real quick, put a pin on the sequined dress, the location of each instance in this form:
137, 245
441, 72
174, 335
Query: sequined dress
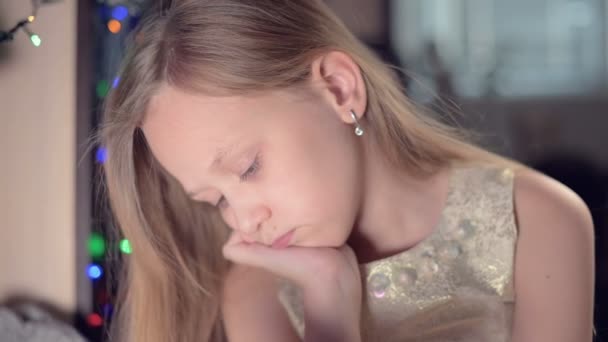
456, 284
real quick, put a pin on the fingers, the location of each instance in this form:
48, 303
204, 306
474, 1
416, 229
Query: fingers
287, 262
348, 252
298, 264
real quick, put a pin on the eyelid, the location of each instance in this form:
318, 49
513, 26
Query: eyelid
252, 169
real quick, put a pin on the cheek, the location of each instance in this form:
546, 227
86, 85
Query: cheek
311, 175
229, 218
319, 193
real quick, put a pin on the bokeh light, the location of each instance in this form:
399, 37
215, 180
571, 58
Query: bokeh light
94, 320
94, 271
116, 82
102, 88
114, 26
102, 155
36, 40
125, 246
120, 13
97, 245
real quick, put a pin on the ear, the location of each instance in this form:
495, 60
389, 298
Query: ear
338, 77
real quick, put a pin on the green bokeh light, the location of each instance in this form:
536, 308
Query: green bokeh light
102, 89
125, 246
36, 40
97, 245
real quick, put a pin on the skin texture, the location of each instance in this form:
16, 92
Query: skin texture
315, 176
554, 262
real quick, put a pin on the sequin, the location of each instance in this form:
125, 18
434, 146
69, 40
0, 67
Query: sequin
378, 284
405, 277
428, 251
461, 273
506, 176
465, 230
450, 251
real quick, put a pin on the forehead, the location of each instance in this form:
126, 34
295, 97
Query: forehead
185, 130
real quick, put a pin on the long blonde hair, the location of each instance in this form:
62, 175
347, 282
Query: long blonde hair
171, 284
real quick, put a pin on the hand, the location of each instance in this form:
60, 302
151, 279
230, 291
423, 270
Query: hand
328, 277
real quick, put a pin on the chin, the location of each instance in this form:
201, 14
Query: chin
322, 242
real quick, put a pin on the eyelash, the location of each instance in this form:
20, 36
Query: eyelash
253, 168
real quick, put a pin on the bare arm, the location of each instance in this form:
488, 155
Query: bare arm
251, 309
554, 263
328, 277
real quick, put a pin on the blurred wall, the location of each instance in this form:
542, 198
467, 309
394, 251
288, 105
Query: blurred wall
37, 146
366, 19
534, 129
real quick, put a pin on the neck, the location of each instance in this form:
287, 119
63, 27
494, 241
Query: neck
398, 209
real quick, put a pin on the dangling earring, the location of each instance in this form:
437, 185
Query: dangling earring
358, 128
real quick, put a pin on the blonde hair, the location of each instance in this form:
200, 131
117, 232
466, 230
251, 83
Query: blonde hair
172, 282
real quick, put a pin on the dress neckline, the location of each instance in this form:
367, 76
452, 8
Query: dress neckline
436, 230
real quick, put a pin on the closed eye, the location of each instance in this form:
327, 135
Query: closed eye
252, 170
255, 166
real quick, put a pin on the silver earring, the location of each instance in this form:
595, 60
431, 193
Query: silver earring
358, 128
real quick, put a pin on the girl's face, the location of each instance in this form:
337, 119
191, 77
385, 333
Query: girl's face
271, 163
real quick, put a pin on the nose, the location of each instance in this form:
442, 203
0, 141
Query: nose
251, 219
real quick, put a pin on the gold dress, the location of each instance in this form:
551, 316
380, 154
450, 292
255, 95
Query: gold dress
456, 284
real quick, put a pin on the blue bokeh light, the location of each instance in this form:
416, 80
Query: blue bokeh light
120, 13
94, 271
116, 82
101, 155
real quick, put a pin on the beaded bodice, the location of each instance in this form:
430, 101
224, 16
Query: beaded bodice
456, 284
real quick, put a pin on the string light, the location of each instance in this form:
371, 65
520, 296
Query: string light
125, 246
102, 88
116, 19
6, 36
94, 271
120, 13
102, 155
97, 245
116, 82
114, 26
94, 320
34, 38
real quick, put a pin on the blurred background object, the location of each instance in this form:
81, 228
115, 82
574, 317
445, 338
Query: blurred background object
31, 322
37, 144
529, 76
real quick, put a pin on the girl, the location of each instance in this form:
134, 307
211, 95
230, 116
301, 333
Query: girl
276, 184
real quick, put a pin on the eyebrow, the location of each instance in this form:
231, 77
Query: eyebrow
220, 153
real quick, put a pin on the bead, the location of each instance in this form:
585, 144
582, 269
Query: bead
378, 285
450, 251
465, 229
359, 131
405, 276
428, 251
505, 176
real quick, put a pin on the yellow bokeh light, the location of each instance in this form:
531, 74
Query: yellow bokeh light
31, 18
114, 26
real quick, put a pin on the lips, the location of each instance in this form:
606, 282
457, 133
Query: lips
283, 240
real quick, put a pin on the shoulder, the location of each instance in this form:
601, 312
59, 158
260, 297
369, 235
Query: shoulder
544, 205
251, 309
554, 261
